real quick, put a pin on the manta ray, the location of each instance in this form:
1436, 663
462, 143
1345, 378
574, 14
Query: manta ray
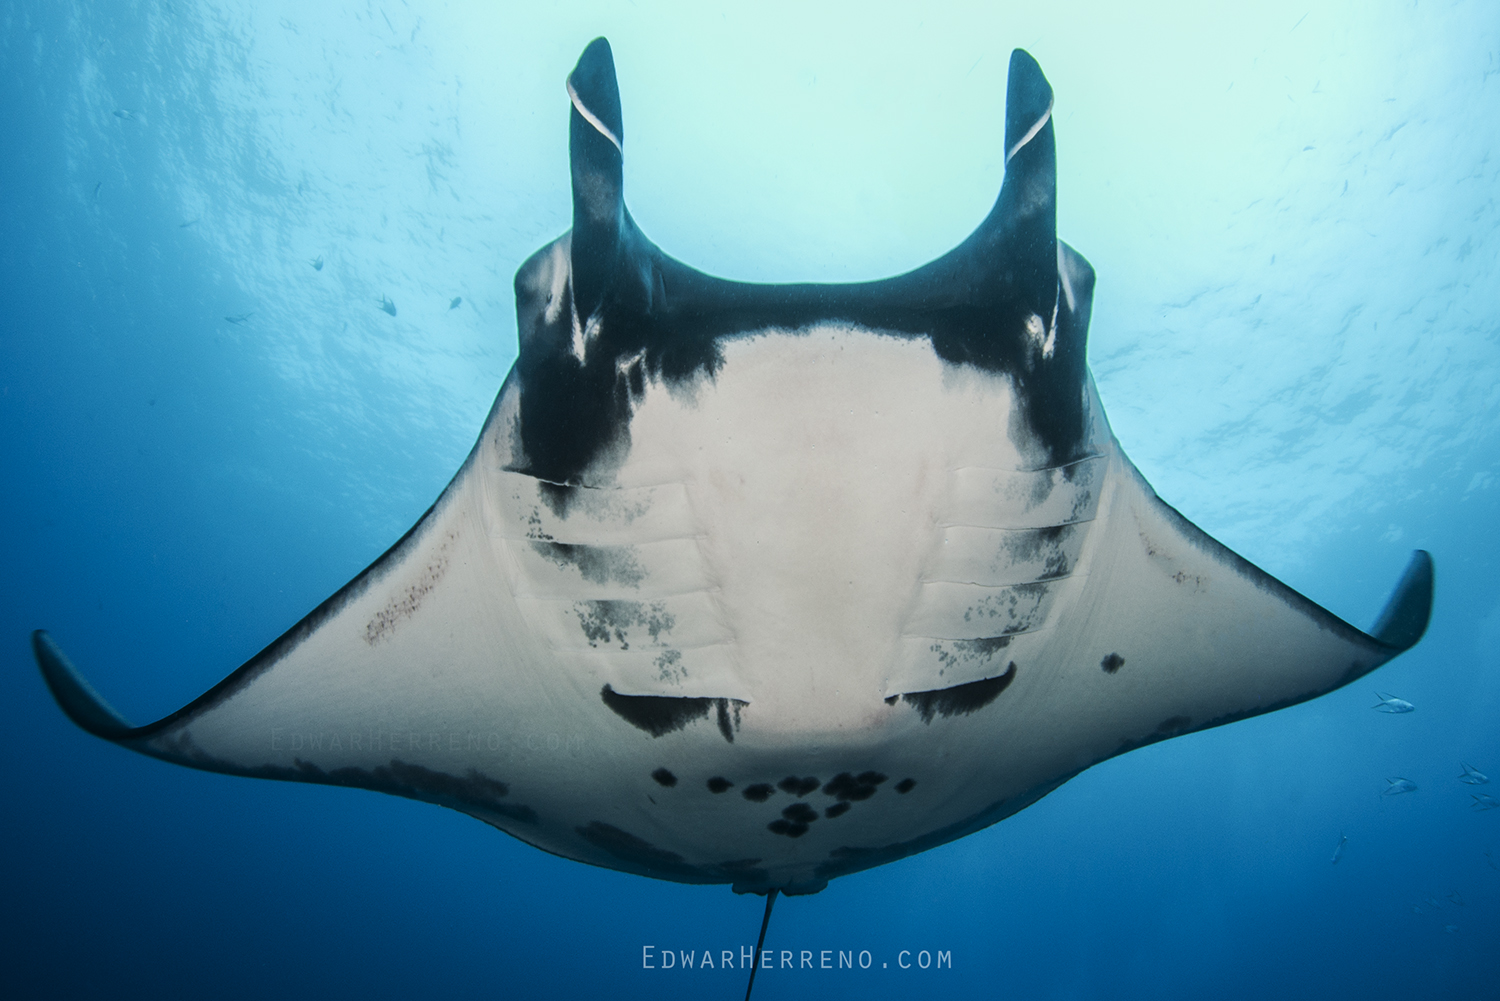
765, 584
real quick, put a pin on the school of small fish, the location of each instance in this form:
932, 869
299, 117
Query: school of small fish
1398, 785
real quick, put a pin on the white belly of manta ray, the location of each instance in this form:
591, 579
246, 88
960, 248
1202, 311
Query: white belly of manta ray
764, 585
807, 581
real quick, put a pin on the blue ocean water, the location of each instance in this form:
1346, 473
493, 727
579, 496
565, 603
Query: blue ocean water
1296, 334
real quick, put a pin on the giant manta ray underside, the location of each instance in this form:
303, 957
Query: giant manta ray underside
766, 584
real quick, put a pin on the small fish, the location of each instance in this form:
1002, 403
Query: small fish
96, 190
190, 222
1472, 776
1338, 849
1457, 899
1416, 909
1434, 902
126, 115
387, 305
458, 301
238, 319
1450, 928
1398, 786
317, 263
1484, 801
1391, 704
1491, 860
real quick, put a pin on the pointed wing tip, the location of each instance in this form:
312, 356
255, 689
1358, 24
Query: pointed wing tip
74, 695
595, 88
1405, 616
1023, 61
596, 50
1028, 96
595, 67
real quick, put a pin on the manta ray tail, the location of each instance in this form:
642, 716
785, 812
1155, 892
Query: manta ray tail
760, 942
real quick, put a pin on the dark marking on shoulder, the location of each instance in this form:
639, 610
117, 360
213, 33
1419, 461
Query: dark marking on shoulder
664, 777
656, 714
1112, 663
557, 496
905, 786
597, 564
719, 784
637, 380
798, 787
758, 793
960, 700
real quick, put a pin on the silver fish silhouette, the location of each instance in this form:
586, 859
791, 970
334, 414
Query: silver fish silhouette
1398, 786
1391, 704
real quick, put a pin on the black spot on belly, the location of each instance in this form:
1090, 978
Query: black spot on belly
786, 827
960, 700
800, 813
1112, 663
758, 793
847, 788
836, 810
798, 787
905, 786
655, 714
664, 777
718, 784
